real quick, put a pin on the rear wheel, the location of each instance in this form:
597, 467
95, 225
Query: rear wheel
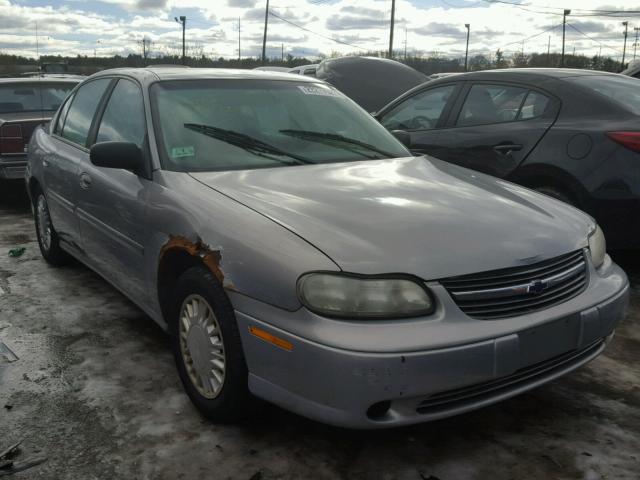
48, 240
206, 346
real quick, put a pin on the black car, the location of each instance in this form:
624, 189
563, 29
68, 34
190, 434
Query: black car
572, 134
26, 103
633, 70
371, 82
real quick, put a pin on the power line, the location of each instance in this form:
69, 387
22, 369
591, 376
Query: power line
516, 4
593, 39
533, 36
271, 12
529, 7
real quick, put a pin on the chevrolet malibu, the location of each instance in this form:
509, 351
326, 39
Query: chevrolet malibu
296, 252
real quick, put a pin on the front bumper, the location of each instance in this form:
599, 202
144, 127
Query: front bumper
364, 388
12, 168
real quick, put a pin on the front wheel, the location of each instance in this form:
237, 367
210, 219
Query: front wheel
206, 346
48, 240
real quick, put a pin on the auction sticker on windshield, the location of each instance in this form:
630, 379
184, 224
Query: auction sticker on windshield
318, 90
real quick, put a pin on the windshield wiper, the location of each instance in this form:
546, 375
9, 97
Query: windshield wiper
244, 141
335, 137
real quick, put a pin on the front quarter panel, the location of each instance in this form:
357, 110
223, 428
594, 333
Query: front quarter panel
250, 254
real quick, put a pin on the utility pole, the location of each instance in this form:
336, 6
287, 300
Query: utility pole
264, 39
146, 46
405, 42
282, 54
466, 52
239, 51
624, 49
393, 19
183, 21
549, 52
564, 26
599, 56
635, 44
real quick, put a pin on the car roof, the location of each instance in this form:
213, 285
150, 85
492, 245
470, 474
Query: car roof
43, 78
149, 74
523, 74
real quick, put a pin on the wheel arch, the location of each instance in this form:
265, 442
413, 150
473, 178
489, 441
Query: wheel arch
178, 255
33, 187
537, 175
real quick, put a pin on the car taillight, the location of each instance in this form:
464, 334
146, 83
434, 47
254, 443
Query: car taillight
631, 140
11, 139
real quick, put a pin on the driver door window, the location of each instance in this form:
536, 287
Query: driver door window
420, 112
123, 119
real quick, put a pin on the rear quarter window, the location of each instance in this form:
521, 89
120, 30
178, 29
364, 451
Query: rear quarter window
624, 92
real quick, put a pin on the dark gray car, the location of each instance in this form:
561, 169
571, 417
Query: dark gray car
296, 252
571, 134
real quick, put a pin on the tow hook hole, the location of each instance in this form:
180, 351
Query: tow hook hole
378, 410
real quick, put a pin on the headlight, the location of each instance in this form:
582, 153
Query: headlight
597, 246
350, 296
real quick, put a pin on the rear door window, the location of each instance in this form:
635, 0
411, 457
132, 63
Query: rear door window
62, 115
534, 106
486, 104
123, 119
82, 110
422, 111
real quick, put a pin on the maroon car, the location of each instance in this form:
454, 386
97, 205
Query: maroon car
24, 104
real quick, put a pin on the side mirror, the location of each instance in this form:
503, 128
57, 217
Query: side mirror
124, 155
403, 136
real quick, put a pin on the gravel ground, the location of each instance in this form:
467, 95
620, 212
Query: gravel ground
95, 391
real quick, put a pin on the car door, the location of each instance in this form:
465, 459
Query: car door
61, 162
111, 202
494, 126
422, 115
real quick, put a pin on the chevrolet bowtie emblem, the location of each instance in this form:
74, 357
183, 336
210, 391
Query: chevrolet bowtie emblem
537, 286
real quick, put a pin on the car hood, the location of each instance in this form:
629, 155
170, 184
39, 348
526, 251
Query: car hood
414, 215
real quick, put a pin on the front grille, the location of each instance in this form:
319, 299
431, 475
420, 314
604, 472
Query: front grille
525, 376
516, 291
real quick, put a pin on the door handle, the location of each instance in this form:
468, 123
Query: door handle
507, 148
85, 181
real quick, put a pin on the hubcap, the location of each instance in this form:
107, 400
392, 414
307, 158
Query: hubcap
44, 222
201, 346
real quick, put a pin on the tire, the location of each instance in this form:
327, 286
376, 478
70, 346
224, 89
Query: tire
557, 194
209, 336
48, 240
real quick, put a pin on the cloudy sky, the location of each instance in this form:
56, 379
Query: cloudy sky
313, 27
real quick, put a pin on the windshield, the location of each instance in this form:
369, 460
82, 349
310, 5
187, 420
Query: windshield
211, 125
32, 97
624, 91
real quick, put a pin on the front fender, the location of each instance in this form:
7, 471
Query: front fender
249, 253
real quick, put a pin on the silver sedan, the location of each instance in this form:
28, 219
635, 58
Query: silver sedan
296, 252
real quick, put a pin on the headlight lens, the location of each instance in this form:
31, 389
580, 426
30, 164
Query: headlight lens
349, 296
597, 246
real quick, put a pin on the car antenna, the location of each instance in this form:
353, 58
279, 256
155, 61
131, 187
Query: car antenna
39, 63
